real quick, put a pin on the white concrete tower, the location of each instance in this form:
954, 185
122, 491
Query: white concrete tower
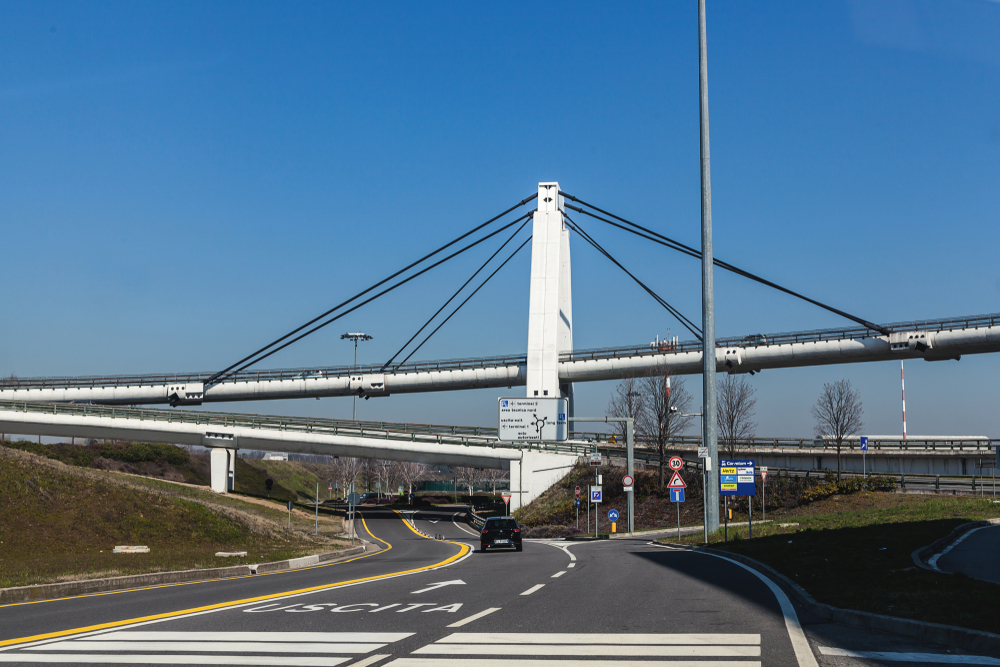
550, 302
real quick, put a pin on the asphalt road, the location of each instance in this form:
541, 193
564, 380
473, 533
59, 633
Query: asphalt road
976, 555
426, 602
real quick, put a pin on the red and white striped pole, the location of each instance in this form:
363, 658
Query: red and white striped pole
902, 384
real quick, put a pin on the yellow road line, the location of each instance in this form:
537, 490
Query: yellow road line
221, 605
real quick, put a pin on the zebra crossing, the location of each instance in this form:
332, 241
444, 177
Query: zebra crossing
137, 647
495, 649
361, 649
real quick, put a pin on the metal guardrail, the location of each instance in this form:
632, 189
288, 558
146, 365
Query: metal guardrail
756, 340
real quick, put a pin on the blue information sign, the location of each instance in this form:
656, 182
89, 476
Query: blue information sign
613, 515
676, 495
737, 477
864, 443
577, 502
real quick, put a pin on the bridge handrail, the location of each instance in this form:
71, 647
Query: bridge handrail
756, 340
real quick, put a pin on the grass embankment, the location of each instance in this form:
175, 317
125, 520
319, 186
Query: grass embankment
854, 551
59, 522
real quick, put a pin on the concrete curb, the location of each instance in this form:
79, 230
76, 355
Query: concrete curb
41, 592
922, 555
948, 635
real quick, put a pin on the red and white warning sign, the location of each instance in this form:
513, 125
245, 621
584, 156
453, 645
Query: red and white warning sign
676, 482
763, 475
506, 498
578, 492
675, 463
627, 480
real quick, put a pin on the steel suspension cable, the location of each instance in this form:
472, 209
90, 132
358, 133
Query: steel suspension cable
688, 250
385, 291
459, 307
688, 324
452, 297
225, 371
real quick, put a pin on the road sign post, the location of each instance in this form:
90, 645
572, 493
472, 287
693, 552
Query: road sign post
629, 457
677, 486
737, 478
864, 451
763, 492
506, 499
596, 494
290, 506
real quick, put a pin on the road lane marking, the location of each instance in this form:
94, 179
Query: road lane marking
611, 639
486, 662
943, 658
440, 584
209, 647
800, 645
571, 565
593, 650
460, 526
97, 658
558, 574
172, 635
474, 617
934, 559
533, 589
464, 551
564, 548
370, 660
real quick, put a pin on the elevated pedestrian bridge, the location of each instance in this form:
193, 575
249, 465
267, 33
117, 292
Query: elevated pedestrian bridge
931, 340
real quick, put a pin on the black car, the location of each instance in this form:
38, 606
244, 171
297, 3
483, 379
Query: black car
500, 532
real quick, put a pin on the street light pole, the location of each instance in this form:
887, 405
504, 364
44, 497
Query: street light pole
355, 337
709, 407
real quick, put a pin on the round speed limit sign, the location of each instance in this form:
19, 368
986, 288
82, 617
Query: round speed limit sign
676, 463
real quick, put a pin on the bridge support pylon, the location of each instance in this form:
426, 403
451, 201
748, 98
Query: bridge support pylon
550, 301
223, 462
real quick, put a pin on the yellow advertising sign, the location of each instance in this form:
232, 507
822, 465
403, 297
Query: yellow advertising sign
727, 471
728, 487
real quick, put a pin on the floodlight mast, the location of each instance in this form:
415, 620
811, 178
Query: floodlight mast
355, 337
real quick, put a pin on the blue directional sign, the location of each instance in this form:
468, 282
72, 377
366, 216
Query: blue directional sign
864, 443
577, 502
737, 477
613, 515
676, 495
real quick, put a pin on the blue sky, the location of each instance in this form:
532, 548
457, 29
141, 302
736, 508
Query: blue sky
183, 182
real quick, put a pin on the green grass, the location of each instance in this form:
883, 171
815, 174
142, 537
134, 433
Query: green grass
60, 523
855, 552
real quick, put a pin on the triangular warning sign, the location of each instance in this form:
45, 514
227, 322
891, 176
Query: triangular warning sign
676, 482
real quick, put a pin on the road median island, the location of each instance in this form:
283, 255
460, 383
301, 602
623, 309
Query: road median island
851, 560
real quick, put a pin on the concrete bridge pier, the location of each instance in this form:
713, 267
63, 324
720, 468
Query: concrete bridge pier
535, 473
223, 469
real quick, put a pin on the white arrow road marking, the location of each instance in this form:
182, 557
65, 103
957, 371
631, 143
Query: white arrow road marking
440, 584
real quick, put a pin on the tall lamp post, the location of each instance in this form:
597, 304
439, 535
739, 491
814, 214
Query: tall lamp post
355, 337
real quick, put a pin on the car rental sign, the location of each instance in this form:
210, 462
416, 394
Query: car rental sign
737, 477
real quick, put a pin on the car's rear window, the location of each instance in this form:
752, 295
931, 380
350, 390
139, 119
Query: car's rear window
501, 523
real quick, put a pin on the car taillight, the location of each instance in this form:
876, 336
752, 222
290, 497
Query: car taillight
517, 530
485, 531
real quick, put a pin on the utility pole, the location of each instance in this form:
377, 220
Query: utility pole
355, 337
709, 405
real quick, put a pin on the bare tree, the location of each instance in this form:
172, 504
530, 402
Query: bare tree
838, 413
494, 476
736, 405
468, 477
656, 423
626, 401
411, 473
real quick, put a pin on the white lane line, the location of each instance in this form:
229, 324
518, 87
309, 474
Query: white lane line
571, 565
943, 658
558, 574
590, 650
803, 652
474, 617
370, 660
464, 662
213, 647
934, 559
133, 659
460, 526
168, 635
533, 589
612, 639
564, 548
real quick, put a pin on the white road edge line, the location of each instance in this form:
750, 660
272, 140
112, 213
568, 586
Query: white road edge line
803, 653
911, 657
533, 589
460, 526
474, 617
934, 559
370, 660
